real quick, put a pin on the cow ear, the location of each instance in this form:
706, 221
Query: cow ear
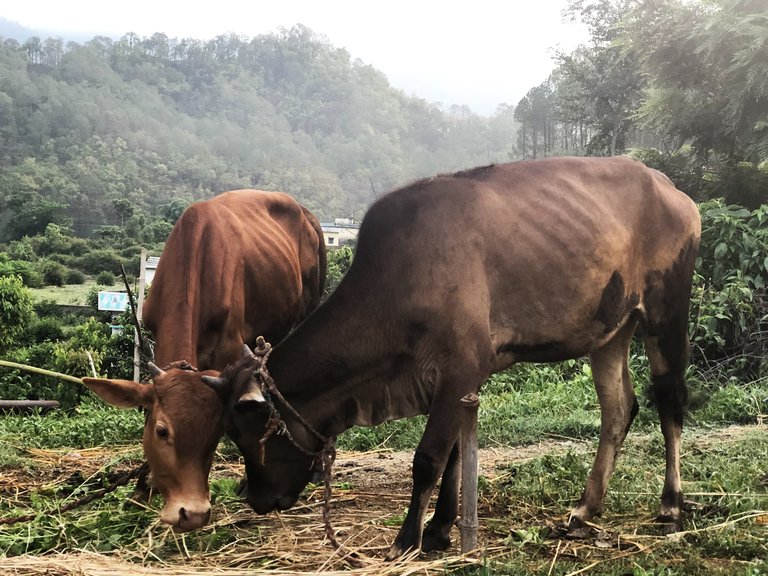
121, 393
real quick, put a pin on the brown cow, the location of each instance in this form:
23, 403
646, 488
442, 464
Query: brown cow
243, 264
460, 276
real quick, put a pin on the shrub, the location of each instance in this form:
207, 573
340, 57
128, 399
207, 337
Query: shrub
44, 329
47, 308
97, 261
53, 272
733, 240
75, 277
339, 262
105, 278
15, 309
25, 270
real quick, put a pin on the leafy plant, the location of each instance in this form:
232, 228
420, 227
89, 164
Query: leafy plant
15, 309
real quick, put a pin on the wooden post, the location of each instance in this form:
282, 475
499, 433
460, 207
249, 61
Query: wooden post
139, 303
468, 521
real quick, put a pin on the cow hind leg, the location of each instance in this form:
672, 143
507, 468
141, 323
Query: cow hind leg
437, 533
618, 407
665, 333
668, 357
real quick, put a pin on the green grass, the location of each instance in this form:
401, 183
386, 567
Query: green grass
71, 294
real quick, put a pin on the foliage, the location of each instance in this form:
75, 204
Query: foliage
53, 273
23, 269
730, 305
15, 309
339, 261
47, 329
75, 277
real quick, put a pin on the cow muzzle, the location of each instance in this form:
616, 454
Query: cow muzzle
185, 518
262, 504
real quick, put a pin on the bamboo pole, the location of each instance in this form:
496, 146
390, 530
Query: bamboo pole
468, 522
139, 305
19, 406
42, 371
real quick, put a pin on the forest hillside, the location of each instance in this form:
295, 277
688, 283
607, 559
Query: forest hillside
92, 134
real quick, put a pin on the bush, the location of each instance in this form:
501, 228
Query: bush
44, 329
339, 261
733, 240
15, 309
25, 270
97, 261
53, 272
75, 277
47, 308
105, 278
729, 308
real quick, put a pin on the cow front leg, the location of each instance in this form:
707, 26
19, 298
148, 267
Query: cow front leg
429, 462
425, 473
437, 533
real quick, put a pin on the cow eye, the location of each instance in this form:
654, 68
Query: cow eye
162, 432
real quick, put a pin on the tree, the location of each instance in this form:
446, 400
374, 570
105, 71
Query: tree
708, 71
605, 77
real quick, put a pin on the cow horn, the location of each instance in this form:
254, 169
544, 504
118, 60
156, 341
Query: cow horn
154, 370
247, 351
215, 382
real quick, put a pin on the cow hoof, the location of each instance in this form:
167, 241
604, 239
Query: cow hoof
578, 529
396, 551
242, 488
669, 524
433, 541
575, 523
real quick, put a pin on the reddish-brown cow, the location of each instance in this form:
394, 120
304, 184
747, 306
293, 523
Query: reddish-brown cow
244, 264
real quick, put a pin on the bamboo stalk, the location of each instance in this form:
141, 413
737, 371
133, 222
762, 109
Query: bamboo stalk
42, 371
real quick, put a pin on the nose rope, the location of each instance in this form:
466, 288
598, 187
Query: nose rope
326, 456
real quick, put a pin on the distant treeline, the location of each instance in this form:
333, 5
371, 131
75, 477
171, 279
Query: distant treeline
93, 134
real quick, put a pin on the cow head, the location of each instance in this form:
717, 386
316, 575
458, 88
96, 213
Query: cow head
182, 429
276, 470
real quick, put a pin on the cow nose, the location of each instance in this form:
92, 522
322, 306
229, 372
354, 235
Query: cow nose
190, 520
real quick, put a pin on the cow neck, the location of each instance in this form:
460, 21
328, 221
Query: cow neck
340, 368
178, 332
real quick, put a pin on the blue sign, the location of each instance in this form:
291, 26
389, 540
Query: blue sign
113, 301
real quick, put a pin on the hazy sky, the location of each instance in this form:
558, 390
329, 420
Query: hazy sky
477, 52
